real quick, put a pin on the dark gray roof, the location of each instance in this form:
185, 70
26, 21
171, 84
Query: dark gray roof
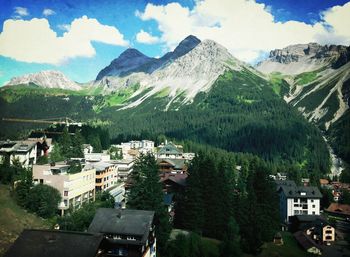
300, 192
54, 243
280, 183
307, 218
305, 241
122, 222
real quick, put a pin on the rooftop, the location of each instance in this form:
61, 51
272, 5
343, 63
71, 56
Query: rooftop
169, 148
54, 243
176, 163
300, 192
339, 208
305, 241
123, 222
101, 166
16, 146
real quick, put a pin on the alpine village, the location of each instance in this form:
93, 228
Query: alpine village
193, 153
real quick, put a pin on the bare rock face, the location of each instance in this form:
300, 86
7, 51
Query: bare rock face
46, 79
300, 58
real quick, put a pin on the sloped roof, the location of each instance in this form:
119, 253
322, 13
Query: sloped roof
122, 222
179, 179
300, 192
54, 243
169, 148
304, 240
176, 163
339, 208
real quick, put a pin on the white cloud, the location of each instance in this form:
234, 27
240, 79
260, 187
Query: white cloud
245, 27
48, 12
21, 11
146, 38
35, 41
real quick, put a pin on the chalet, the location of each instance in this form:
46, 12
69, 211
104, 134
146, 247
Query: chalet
298, 200
169, 151
55, 243
173, 183
75, 187
172, 165
126, 232
307, 243
24, 151
321, 232
118, 193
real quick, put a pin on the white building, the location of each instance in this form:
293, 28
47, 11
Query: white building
97, 157
169, 151
24, 151
298, 200
75, 188
124, 168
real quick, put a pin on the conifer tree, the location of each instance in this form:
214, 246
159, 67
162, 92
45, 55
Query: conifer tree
146, 194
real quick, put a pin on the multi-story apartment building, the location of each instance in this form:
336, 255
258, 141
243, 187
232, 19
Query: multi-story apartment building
24, 151
75, 188
106, 175
298, 200
125, 167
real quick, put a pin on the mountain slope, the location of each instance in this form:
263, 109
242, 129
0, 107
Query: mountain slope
46, 79
317, 77
205, 95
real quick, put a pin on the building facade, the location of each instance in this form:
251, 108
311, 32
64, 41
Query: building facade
23, 151
75, 188
296, 200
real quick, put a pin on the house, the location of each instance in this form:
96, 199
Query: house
172, 165
302, 222
169, 151
307, 243
124, 168
55, 243
340, 210
24, 151
298, 200
75, 187
173, 183
126, 232
321, 231
106, 175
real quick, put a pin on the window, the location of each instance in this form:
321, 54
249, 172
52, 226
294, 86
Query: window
295, 200
312, 200
313, 213
41, 181
313, 206
65, 193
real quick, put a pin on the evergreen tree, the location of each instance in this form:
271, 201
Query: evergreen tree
65, 143
77, 145
146, 194
230, 246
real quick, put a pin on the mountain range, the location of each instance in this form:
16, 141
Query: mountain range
311, 78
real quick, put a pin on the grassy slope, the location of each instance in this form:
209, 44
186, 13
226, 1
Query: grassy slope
290, 248
14, 219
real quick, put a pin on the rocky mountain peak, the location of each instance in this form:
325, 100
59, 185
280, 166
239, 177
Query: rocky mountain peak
47, 79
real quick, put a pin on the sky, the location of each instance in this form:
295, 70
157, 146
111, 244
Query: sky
81, 37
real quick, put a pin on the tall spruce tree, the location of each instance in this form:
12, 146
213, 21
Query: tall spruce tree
146, 194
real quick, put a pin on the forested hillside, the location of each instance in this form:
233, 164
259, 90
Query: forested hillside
241, 113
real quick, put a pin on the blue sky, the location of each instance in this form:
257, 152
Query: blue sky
79, 38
